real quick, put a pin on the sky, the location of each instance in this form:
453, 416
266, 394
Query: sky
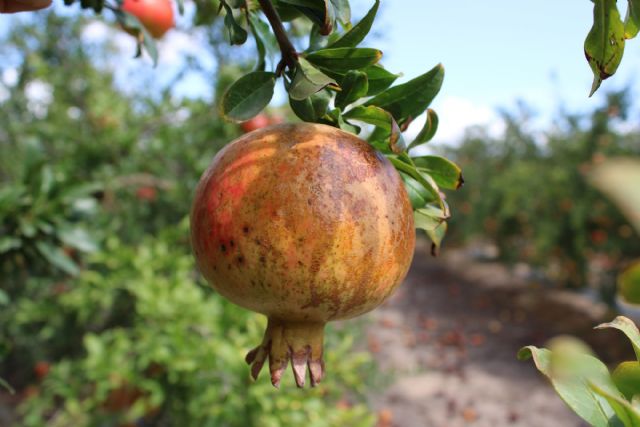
495, 52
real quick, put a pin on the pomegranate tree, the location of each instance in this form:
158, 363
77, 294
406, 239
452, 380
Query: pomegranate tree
305, 224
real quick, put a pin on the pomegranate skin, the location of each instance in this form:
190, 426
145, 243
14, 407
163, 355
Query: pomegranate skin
305, 224
156, 15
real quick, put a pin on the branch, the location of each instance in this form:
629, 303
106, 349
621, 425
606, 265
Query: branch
289, 54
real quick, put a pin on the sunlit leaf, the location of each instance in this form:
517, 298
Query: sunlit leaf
604, 44
626, 377
632, 20
626, 413
628, 328
436, 236
248, 96
572, 387
237, 34
446, 173
344, 59
389, 130
428, 130
355, 35
629, 284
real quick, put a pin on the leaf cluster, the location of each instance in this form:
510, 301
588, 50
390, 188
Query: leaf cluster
605, 42
601, 398
336, 82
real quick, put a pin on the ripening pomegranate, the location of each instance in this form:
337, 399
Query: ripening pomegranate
258, 122
305, 224
155, 15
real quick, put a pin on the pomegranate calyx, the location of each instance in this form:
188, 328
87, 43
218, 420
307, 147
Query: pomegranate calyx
284, 341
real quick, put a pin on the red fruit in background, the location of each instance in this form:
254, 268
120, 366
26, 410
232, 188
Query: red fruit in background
41, 369
146, 193
155, 15
598, 236
255, 123
306, 224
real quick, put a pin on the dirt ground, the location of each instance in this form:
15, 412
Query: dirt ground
449, 339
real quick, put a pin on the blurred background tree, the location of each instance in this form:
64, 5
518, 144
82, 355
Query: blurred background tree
530, 194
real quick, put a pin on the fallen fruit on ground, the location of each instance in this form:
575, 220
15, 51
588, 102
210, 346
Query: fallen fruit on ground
155, 15
305, 224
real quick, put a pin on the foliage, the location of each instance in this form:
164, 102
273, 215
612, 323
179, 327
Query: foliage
135, 336
604, 45
534, 199
584, 383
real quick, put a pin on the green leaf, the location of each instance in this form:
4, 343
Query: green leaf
307, 81
237, 34
354, 86
77, 238
320, 12
572, 387
8, 243
425, 220
628, 328
626, 413
355, 35
341, 11
57, 257
344, 59
312, 108
615, 178
629, 284
248, 95
428, 130
132, 23
445, 173
390, 131
260, 47
436, 236
336, 119
627, 379
379, 79
632, 20
418, 195
408, 100
4, 298
424, 179
604, 44
6, 385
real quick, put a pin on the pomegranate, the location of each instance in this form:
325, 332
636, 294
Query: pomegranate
155, 15
305, 224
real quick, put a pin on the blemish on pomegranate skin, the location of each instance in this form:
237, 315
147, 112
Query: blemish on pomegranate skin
240, 259
245, 229
232, 243
223, 248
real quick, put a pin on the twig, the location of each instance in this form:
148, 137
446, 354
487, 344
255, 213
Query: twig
289, 54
